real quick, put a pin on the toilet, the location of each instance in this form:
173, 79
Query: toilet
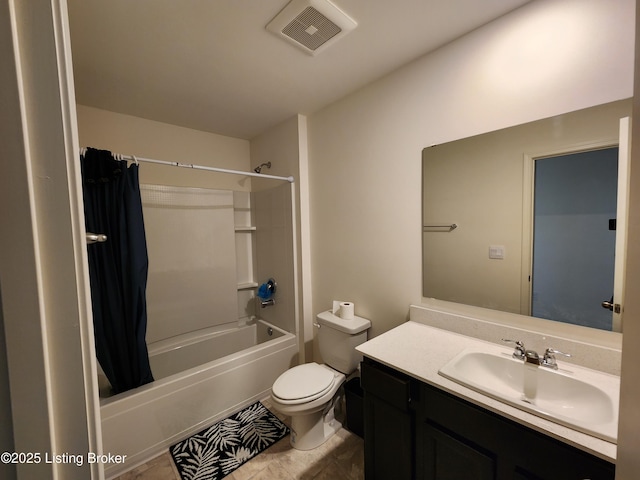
307, 392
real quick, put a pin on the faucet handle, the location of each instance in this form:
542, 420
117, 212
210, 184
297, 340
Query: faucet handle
549, 359
519, 351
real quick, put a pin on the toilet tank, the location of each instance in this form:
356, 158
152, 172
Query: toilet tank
338, 339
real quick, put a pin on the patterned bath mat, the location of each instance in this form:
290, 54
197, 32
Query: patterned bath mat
218, 450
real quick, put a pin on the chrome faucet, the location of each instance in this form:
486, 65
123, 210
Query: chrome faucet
531, 356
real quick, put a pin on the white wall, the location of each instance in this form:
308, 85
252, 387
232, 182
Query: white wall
546, 58
130, 135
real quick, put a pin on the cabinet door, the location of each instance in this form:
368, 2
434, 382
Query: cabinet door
441, 456
543, 458
519, 453
388, 441
388, 424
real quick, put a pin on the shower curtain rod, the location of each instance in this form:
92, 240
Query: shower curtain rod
135, 159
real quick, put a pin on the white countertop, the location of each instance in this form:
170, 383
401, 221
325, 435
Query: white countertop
420, 351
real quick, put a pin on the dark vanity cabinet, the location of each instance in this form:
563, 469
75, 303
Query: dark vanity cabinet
416, 431
389, 422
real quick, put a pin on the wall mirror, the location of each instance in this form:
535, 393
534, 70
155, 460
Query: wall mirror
530, 219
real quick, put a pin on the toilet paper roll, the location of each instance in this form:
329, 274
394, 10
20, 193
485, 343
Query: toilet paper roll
344, 310
347, 310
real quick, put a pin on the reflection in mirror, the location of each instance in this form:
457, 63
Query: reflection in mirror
525, 219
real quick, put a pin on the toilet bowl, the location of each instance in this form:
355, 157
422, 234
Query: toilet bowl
309, 392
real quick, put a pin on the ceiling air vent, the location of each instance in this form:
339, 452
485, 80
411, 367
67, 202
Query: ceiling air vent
311, 25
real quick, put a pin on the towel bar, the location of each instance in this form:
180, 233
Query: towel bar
451, 227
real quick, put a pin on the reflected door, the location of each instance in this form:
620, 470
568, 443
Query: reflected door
574, 238
622, 208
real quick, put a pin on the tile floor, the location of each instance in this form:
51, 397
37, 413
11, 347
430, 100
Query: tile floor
340, 458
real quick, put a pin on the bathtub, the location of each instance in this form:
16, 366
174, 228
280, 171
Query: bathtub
194, 387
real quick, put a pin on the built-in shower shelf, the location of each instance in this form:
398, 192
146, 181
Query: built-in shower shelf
245, 229
247, 285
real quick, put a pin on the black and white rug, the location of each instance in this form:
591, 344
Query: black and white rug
218, 450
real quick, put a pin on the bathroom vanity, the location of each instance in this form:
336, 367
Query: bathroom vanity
422, 425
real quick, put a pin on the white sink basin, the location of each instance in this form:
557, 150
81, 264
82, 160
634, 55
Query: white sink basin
580, 398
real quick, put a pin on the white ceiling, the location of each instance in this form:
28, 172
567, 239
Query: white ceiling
211, 65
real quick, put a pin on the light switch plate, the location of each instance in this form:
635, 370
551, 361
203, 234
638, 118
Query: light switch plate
496, 252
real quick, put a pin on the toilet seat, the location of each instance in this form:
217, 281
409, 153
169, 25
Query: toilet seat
303, 383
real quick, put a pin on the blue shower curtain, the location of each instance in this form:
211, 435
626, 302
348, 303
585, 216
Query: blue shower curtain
117, 268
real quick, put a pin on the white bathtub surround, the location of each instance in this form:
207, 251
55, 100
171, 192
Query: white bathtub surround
208, 251
142, 422
192, 261
275, 253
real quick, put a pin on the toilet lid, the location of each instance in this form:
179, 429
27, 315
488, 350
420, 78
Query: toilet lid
305, 383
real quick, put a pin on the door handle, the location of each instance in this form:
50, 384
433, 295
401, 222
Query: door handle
609, 305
